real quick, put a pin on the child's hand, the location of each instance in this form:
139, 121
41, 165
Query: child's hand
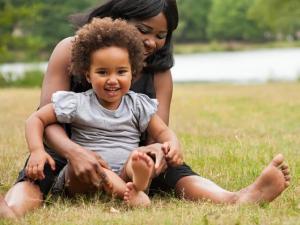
173, 153
35, 165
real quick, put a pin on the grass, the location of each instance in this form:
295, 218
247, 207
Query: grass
228, 134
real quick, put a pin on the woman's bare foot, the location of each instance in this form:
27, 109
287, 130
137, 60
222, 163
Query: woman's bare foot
274, 179
5, 211
142, 168
135, 198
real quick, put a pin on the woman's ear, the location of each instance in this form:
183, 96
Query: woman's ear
87, 77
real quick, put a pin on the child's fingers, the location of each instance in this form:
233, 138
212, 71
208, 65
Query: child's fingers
28, 171
35, 172
171, 154
40, 174
166, 147
51, 162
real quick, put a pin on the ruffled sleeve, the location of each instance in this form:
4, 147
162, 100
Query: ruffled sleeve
146, 108
65, 105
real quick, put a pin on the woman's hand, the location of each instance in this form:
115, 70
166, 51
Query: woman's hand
173, 153
36, 162
155, 151
88, 166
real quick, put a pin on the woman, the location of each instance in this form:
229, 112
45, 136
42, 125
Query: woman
156, 20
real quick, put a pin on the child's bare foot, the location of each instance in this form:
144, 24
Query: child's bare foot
274, 179
142, 168
135, 198
5, 211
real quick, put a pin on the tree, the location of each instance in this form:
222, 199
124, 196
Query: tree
228, 21
281, 16
29, 29
193, 20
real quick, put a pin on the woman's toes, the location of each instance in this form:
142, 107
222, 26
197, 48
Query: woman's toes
286, 184
287, 177
278, 160
284, 166
286, 172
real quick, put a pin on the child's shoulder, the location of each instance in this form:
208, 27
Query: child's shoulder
137, 96
138, 99
72, 95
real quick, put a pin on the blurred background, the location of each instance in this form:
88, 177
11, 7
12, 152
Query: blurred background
216, 41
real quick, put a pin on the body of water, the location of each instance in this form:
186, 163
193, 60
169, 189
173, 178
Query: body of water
237, 67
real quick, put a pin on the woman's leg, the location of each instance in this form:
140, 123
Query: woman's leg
273, 180
22, 197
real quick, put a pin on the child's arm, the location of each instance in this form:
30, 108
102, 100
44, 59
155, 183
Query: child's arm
162, 134
34, 131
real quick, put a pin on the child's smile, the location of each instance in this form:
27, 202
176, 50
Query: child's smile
110, 75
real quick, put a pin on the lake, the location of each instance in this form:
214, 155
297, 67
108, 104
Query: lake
237, 67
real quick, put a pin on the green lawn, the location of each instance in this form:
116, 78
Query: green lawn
228, 134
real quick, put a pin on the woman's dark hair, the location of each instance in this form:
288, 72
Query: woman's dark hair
139, 10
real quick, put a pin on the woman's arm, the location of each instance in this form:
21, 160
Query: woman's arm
57, 76
163, 86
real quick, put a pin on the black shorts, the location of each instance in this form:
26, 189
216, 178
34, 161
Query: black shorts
166, 182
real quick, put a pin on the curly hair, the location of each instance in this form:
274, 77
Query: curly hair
102, 33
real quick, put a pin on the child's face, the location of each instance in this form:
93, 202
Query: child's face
110, 75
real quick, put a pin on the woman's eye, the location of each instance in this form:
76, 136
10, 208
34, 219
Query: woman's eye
161, 36
142, 30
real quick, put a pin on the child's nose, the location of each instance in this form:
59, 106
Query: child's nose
112, 79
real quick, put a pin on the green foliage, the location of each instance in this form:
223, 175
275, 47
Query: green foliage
29, 29
228, 21
193, 20
281, 16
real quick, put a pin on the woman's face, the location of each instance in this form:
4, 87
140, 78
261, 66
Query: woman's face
154, 32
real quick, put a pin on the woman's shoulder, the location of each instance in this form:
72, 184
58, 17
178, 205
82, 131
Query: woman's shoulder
66, 42
62, 53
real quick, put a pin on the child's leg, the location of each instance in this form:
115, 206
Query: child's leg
140, 169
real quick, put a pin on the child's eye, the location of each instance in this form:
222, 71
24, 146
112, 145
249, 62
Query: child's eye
102, 72
122, 72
